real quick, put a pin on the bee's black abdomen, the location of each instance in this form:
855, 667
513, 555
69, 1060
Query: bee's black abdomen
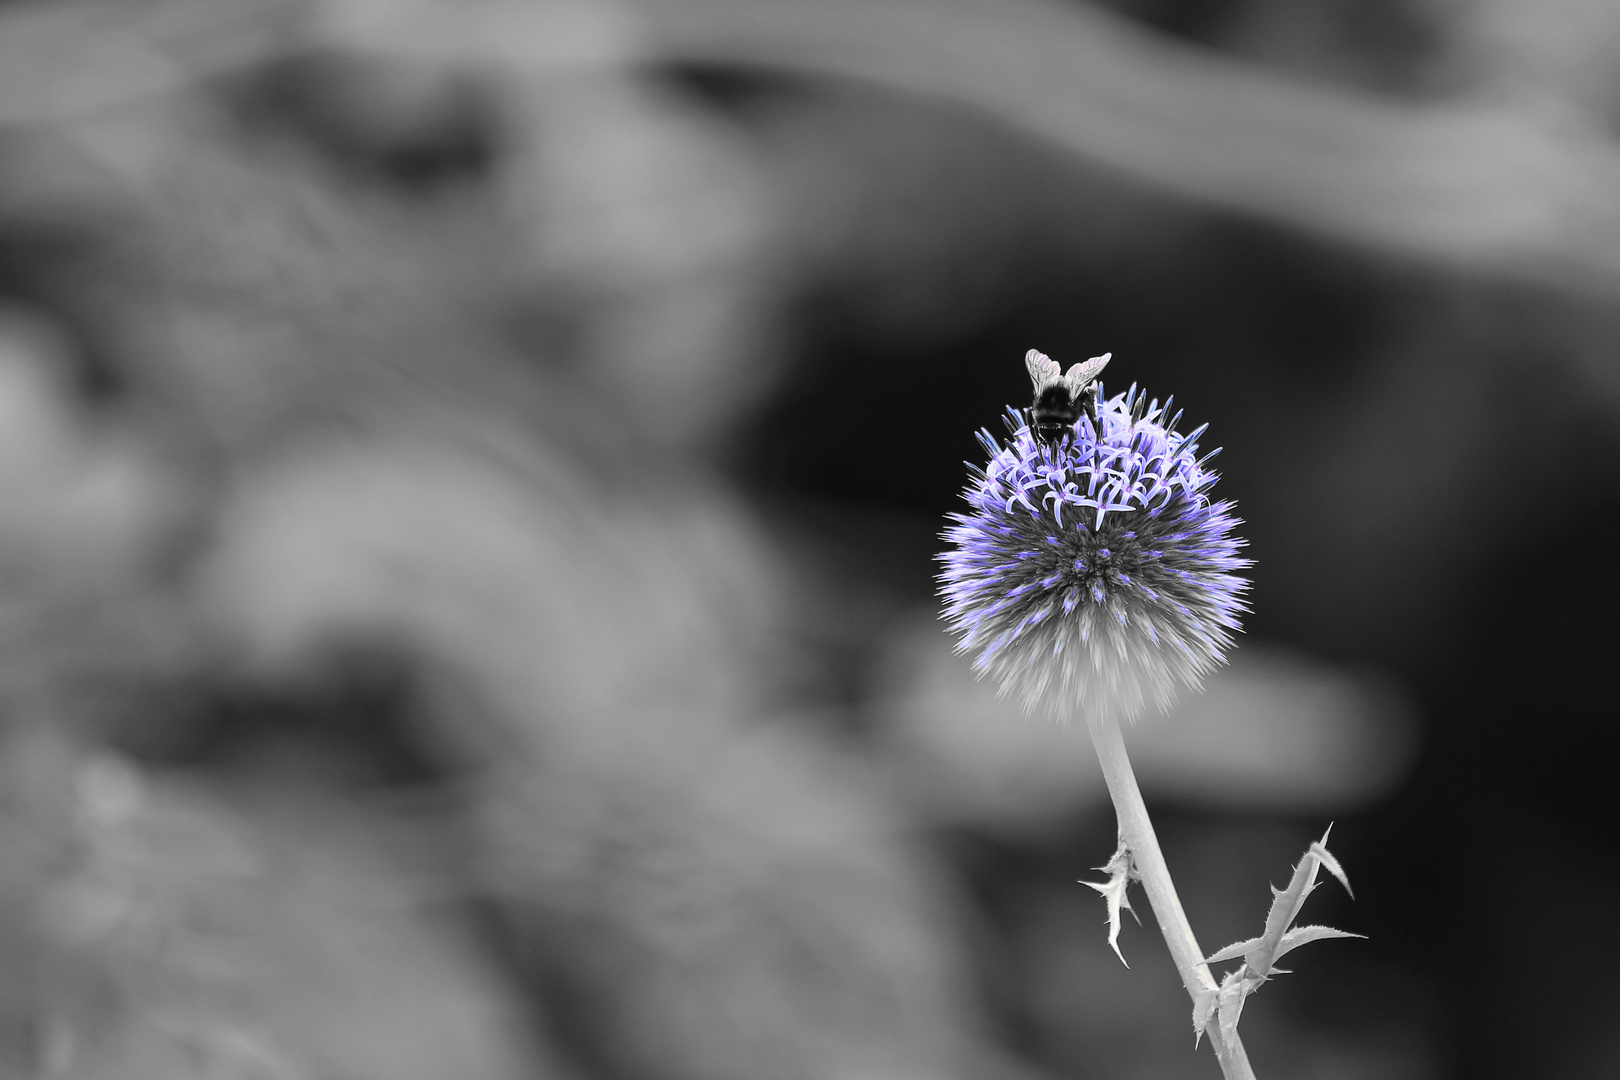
1055, 401
1053, 414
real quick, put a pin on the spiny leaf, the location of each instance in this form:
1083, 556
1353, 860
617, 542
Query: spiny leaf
1330, 863
1233, 993
1203, 1008
1304, 935
1232, 952
1120, 871
1260, 954
1286, 903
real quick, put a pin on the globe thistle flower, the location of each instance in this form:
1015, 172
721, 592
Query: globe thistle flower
1093, 573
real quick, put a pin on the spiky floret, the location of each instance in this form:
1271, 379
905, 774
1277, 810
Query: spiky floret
1097, 575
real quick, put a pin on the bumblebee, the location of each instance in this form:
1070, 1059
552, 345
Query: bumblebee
1061, 396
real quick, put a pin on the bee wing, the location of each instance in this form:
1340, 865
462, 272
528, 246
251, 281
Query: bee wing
1042, 368
1081, 375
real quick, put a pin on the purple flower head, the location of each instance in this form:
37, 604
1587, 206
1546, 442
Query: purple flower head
1095, 575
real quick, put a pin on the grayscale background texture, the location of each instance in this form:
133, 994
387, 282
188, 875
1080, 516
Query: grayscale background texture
469, 480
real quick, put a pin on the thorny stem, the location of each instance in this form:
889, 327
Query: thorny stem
1137, 832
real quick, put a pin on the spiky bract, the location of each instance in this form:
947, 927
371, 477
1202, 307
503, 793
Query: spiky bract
1097, 575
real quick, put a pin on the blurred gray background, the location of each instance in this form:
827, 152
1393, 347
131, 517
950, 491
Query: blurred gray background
469, 477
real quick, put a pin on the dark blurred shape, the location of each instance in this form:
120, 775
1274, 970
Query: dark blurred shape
398, 125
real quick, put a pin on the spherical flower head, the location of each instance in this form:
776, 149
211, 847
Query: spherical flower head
1094, 576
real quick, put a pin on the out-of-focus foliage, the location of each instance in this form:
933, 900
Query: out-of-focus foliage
468, 472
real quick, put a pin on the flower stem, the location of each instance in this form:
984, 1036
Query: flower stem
1137, 831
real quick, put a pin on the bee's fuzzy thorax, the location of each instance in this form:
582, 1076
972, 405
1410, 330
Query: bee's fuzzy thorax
1097, 575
